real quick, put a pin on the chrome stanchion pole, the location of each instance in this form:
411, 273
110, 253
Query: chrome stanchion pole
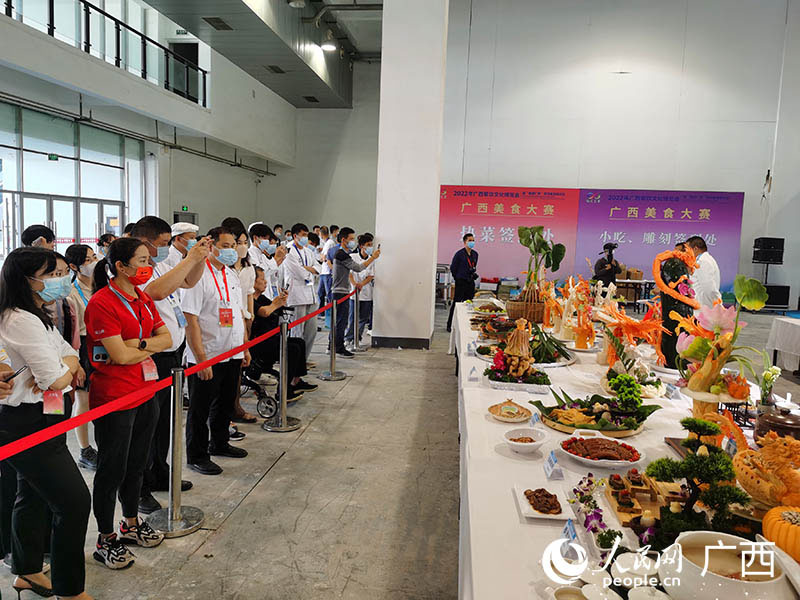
356, 325
176, 520
282, 422
332, 374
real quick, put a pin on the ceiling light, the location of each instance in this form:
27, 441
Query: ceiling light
328, 44
297, 3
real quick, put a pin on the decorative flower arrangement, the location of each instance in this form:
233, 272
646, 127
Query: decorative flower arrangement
593, 522
499, 371
706, 343
768, 379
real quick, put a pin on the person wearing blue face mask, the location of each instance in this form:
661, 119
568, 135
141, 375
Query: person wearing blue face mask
267, 253
216, 324
299, 270
464, 269
364, 282
343, 265
181, 270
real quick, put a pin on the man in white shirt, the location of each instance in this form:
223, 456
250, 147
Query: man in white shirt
266, 252
170, 276
215, 324
299, 269
706, 278
184, 237
327, 241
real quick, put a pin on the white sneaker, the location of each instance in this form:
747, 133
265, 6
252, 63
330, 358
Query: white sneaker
140, 534
113, 553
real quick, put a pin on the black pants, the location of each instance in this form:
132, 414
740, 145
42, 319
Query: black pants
211, 405
465, 290
267, 353
47, 479
342, 317
123, 444
156, 474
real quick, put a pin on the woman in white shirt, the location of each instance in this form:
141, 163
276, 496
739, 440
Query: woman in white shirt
47, 474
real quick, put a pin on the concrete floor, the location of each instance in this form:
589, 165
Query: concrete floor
361, 502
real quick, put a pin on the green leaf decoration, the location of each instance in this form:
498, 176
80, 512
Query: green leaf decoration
749, 292
698, 349
559, 251
619, 348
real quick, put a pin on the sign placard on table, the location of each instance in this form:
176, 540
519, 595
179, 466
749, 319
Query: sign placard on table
643, 223
493, 215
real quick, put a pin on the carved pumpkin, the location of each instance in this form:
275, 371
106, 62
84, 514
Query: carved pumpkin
781, 525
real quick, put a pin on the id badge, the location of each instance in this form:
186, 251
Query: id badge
310, 282
149, 370
179, 316
225, 315
53, 403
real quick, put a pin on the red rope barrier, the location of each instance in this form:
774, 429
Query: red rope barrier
134, 399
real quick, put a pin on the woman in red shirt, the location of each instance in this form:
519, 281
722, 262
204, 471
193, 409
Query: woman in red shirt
123, 331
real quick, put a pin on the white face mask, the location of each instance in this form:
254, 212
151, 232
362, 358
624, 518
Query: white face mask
88, 270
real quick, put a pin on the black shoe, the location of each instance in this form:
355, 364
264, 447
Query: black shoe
88, 458
292, 395
236, 436
344, 353
185, 486
148, 504
229, 451
205, 467
304, 386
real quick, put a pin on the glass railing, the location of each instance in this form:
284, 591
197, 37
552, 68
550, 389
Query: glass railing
104, 36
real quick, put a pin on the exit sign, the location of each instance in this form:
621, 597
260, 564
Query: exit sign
52, 157
185, 208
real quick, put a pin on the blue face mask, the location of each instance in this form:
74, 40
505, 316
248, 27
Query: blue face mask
303, 241
471, 244
352, 245
368, 250
55, 288
265, 245
162, 252
190, 244
228, 256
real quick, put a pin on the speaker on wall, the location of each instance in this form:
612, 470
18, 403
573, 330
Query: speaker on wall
772, 256
766, 243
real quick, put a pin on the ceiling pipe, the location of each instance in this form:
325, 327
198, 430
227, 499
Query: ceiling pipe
316, 19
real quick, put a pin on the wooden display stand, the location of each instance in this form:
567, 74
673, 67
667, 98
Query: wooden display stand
666, 491
624, 514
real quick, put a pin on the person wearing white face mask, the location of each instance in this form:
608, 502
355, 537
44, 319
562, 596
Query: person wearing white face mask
82, 260
343, 265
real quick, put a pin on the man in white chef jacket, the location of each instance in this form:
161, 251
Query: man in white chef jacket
705, 279
299, 269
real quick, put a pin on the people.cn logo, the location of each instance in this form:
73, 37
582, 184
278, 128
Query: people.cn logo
557, 568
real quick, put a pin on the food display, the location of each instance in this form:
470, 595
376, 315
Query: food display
616, 482
625, 362
510, 412
671, 272
634, 477
600, 449
497, 328
546, 349
596, 412
523, 440
781, 525
513, 366
489, 308
543, 501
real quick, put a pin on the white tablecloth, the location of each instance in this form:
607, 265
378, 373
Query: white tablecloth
784, 336
499, 550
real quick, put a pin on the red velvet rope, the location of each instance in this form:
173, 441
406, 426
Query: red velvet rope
134, 399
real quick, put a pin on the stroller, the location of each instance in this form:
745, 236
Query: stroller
267, 406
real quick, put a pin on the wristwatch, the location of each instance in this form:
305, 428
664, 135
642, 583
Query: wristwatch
142, 344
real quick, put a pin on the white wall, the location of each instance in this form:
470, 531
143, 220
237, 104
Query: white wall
213, 190
783, 207
242, 112
336, 166
532, 99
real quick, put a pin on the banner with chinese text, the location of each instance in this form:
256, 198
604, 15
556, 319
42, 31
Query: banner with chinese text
646, 222
493, 215
642, 222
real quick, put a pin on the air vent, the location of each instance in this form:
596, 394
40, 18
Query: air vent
275, 69
218, 24
312, 99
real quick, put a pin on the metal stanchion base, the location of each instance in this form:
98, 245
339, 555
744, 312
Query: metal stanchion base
358, 348
328, 376
274, 424
190, 521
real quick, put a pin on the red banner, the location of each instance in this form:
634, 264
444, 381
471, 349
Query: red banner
493, 215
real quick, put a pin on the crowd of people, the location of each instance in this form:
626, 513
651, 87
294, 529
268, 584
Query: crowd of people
82, 329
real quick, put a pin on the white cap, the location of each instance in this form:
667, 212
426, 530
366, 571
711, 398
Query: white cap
179, 228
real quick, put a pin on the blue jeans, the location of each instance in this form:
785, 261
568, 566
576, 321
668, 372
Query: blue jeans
364, 318
324, 295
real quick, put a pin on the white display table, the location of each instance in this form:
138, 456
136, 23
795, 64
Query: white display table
500, 550
784, 340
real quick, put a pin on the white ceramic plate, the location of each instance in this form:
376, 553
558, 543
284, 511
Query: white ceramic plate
604, 464
625, 565
562, 362
531, 388
646, 593
571, 347
527, 510
596, 592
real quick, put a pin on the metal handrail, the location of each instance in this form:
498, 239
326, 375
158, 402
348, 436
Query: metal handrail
88, 8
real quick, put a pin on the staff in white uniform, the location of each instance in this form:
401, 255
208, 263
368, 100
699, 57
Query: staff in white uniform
267, 253
299, 270
706, 278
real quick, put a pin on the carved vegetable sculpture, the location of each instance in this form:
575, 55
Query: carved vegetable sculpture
671, 271
518, 350
782, 526
771, 474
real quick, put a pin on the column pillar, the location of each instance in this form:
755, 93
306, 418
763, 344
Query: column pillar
409, 157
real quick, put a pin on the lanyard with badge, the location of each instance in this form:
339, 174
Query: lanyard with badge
225, 310
301, 253
176, 307
80, 291
149, 369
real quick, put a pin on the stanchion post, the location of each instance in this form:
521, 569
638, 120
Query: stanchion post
356, 325
281, 422
176, 520
332, 374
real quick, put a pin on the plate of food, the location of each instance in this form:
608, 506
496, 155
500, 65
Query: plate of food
614, 417
595, 449
542, 503
487, 351
510, 412
488, 308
